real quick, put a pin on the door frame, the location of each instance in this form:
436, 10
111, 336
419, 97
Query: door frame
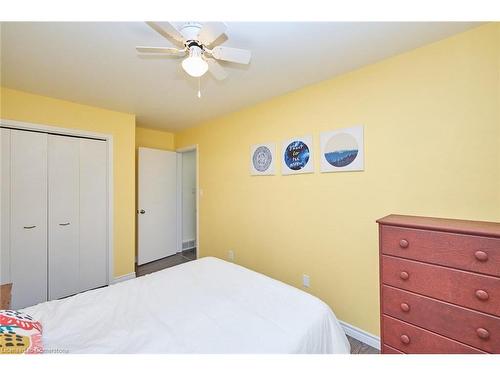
179, 197
108, 138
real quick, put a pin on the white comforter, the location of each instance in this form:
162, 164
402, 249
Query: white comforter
204, 306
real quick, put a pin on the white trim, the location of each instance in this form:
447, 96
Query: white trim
49, 128
197, 201
179, 188
361, 335
119, 279
83, 133
179, 202
187, 149
111, 212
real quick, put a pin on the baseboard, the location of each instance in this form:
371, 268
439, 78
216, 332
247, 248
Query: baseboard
360, 335
119, 279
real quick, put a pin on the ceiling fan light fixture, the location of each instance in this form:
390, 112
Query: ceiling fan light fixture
194, 65
194, 39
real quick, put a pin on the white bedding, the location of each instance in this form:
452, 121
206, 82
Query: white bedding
203, 306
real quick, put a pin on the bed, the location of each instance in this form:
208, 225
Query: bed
204, 306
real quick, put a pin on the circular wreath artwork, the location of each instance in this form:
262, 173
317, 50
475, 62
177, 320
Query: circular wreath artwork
262, 159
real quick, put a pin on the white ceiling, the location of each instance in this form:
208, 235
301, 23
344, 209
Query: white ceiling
96, 63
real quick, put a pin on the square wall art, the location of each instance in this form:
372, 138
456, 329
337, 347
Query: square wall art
297, 156
342, 150
262, 158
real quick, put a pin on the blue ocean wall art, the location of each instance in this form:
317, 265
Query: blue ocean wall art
342, 150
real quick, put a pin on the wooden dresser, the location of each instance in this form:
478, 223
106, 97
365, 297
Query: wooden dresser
439, 285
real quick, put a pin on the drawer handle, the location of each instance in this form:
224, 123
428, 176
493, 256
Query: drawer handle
404, 243
405, 307
404, 275
63, 224
481, 256
405, 339
30, 227
482, 295
483, 333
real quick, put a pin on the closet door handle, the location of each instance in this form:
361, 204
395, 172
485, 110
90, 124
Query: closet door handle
63, 224
30, 227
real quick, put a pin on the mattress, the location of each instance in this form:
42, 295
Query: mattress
204, 306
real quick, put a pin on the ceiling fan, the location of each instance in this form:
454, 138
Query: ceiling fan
194, 40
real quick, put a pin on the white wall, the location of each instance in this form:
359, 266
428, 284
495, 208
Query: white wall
188, 196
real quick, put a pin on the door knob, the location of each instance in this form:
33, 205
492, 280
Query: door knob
142, 212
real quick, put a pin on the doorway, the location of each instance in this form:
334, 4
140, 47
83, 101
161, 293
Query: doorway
187, 191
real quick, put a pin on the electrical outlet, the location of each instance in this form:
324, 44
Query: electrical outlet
230, 255
306, 281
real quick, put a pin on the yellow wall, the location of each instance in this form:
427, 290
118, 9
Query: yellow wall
21, 106
154, 139
432, 146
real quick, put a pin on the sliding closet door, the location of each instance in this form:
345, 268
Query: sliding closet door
5, 206
28, 252
93, 214
63, 218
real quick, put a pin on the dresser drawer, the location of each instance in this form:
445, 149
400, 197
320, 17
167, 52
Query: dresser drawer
472, 253
470, 327
386, 349
478, 292
411, 339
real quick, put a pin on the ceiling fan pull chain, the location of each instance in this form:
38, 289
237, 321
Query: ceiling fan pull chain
199, 87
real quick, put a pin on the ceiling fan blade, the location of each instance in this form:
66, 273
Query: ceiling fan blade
217, 71
168, 31
236, 55
210, 31
161, 50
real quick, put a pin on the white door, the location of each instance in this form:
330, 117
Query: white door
93, 214
157, 199
78, 220
63, 184
28, 243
